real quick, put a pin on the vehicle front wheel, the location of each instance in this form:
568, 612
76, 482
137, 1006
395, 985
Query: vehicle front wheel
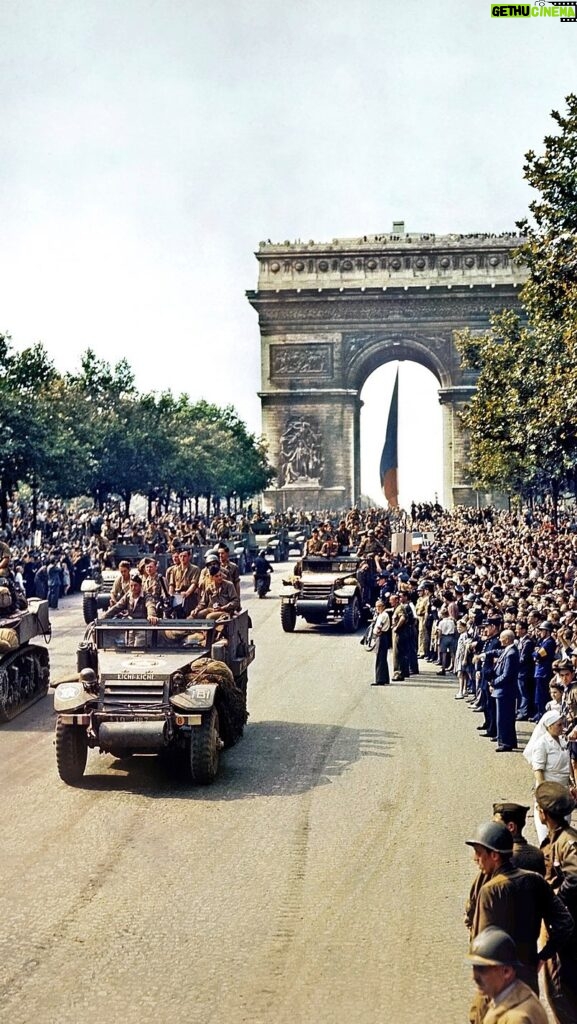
288, 617
89, 608
71, 752
205, 745
352, 616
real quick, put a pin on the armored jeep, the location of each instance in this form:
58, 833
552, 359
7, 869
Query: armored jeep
326, 591
176, 688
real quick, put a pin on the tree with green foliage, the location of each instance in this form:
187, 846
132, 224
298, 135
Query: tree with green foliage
522, 421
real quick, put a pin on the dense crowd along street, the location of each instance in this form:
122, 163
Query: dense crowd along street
476, 637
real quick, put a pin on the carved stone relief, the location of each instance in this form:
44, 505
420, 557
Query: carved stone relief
301, 360
301, 459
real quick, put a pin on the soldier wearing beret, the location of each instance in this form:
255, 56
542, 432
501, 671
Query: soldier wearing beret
555, 805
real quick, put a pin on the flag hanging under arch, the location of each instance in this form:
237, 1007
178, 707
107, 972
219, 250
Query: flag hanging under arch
389, 457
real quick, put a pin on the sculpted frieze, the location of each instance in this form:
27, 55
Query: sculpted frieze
456, 308
311, 360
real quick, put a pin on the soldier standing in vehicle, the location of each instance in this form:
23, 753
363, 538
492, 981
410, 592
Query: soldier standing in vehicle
121, 585
229, 569
219, 598
184, 582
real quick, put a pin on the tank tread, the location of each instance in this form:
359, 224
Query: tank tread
24, 679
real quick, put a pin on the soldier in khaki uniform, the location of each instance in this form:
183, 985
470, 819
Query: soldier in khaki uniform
219, 599
229, 569
184, 581
494, 959
121, 585
555, 803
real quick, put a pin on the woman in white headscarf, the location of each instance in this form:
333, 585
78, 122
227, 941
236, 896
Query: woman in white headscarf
548, 755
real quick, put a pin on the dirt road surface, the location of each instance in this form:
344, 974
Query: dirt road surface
321, 878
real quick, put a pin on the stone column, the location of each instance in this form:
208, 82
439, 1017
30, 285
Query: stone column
457, 489
333, 415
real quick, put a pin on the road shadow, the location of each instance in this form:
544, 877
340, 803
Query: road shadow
39, 717
279, 759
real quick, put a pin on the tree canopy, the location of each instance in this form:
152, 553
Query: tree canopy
93, 433
522, 421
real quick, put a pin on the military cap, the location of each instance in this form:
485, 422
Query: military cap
493, 948
492, 620
507, 807
493, 836
554, 799
135, 578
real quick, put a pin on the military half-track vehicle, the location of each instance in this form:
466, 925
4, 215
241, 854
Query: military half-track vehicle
24, 665
326, 591
177, 688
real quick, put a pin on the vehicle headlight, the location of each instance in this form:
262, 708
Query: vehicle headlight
70, 691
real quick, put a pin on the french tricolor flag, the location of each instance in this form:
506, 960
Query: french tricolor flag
389, 458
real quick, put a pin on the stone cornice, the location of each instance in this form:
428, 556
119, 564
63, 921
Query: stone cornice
411, 260
448, 305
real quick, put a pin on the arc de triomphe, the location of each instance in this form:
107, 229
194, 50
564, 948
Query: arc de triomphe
330, 314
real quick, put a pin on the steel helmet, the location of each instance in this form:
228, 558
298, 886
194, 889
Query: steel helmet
211, 557
493, 836
493, 948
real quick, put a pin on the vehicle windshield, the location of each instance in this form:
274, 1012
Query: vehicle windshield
128, 634
318, 563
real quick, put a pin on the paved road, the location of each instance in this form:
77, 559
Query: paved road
321, 878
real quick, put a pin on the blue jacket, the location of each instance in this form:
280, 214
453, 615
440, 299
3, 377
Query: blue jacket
506, 673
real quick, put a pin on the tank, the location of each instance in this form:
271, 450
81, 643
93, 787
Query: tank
24, 664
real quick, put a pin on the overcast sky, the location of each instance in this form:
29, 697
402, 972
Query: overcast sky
148, 145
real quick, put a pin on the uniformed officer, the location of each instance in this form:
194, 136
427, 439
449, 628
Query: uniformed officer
121, 585
513, 816
493, 956
517, 901
229, 569
184, 583
219, 598
555, 804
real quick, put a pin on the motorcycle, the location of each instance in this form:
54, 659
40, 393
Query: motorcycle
262, 584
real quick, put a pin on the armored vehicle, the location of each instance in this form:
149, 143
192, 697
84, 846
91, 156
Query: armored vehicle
24, 666
326, 591
176, 688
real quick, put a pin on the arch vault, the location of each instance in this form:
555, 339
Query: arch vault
330, 314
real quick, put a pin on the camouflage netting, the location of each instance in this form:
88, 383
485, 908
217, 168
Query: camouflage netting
231, 702
8, 640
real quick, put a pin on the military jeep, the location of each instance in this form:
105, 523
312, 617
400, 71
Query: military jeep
177, 688
326, 591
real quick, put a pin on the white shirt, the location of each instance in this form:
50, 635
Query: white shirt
552, 758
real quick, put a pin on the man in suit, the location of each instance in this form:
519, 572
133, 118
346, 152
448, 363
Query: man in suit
504, 691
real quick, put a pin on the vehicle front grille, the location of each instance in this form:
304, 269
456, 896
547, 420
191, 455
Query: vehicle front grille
316, 591
131, 693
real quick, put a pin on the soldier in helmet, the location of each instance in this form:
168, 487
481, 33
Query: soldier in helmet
517, 901
493, 956
555, 804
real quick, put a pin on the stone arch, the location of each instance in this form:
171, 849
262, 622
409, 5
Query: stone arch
383, 348
330, 314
